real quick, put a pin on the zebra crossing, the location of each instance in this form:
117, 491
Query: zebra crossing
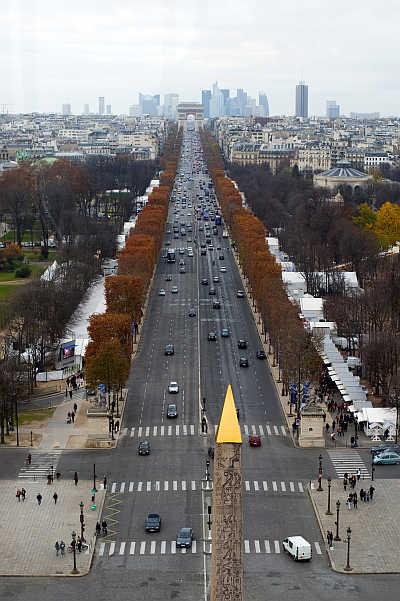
348, 461
183, 430
140, 548
274, 486
41, 465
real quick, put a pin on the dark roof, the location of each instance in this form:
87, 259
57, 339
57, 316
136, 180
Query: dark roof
344, 170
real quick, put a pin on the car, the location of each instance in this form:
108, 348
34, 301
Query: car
182, 269
192, 312
223, 269
161, 292
243, 362
212, 292
181, 251
386, 458
172, 410
169, 349
216, 305
216, 279
203, 252
298, 548
184, 538
261, 354
173, 388
242, 344
144, 447
174, 290
225, 333
221, 257
90, 392
204, 282
212, 336
240, 294
152, 523
168, 278
218, 248
385, 446
255, 441
190, 253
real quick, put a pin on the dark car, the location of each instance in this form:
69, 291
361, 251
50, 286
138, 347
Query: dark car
168, 278
212, 292
172, 411
225, 333
255, 441
240, 294
243, 362
261, 354
216, 305
221, 257
169, 349
204, 281
386, 446
90, 392
184, 538
242, 344
212, 336
144, 447
152, 523
203, 251
192, 312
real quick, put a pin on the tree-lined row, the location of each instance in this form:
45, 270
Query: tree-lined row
292, 345
109, 350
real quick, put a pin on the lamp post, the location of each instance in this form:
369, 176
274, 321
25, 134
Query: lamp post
395, 397
94, 489
320, 474
82, 521
337, 537
207, 469
348, 568
73, 544
372, 467
328, 511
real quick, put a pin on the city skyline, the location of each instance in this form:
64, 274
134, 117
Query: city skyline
52, 56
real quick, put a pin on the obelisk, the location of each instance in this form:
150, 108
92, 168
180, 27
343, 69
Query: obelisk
226, 559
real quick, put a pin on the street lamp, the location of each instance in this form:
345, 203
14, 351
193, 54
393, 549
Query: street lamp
348, 568
337, 537
320, 474
395, 397
82, 521
328, 511
207, 469
372, 466
73, 544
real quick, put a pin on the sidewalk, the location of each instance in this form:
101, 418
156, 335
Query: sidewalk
29, 532
375, 526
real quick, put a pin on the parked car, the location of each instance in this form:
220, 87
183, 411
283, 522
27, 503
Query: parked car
152, 523
144, 447
184, 538
386, 458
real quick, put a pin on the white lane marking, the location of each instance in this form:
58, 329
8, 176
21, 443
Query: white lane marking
247, 485
246, 430
174, 484
122, 489
317, 548
246, 546
132, 432
152, 547
139, 486
155, 431
276, 430
268, 430
147, 434
283, 487
257, 546
176, 430
132, 548
122, 548
169, 430
283, 430
162, 430
193, 485
142, 549
265, 485
183, 485
113, 487
166, 485
163, 547
267, 546
183, 550
192, 430
173, 546
253, 430
291, 484
148, 486
157, 485
140, 429
101, 550
256, 487
300, 484
277, 547
274, 486
194, 546
112, 549
261, 430
131, 485
184, 430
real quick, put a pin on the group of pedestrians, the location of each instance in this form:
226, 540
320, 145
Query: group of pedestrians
71, 414
60, 548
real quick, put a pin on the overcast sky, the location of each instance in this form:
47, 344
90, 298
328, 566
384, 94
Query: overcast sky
59, 51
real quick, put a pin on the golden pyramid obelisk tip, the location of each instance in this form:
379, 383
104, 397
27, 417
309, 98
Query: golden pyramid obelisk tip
228, 427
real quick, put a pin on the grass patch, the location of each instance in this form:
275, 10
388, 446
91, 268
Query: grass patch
36, 415
26, 237
34, 255
6, 276
7, 291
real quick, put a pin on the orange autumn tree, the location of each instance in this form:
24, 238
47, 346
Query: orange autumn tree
125, 294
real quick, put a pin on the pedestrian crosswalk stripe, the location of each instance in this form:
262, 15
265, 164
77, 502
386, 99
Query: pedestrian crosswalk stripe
164, 547
42, 464
348, 460
185, 485
183, 430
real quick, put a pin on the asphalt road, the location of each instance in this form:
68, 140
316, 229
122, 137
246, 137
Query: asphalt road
130, 563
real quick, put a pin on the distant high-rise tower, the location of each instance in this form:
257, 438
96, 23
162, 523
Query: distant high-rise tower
216, 102
66, 109
301, 99
332, 109
263, 102
101, 105
108, 109
170, 105
85, 109
205, 101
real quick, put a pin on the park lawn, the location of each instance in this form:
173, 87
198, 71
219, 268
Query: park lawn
7, 276
7, 291
34, 255
26, 237
36, 415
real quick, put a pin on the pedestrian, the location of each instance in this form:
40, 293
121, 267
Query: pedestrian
58, 475
353, 481
23, 494
76, 478
362, 495
62, 548
29, 459
98, 529
69, 417
358, 474
333, 424
70, 393
349, 502
104, 527
333, 437
366, 496
339, 430
105, 482
344, 483
57, 547
116, 426
327, 427
355, 500
79, 544
73, 417
18, 495
39, 498
75, 407
371, 492
55, 497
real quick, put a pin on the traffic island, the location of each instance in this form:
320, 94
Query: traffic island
30, 530
369, 534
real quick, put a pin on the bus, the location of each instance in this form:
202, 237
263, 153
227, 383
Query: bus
171, 257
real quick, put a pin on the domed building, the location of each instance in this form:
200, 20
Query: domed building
343, 174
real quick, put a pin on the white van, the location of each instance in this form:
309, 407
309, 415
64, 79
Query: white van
298, 548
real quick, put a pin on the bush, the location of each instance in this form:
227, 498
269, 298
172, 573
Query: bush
23, 272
